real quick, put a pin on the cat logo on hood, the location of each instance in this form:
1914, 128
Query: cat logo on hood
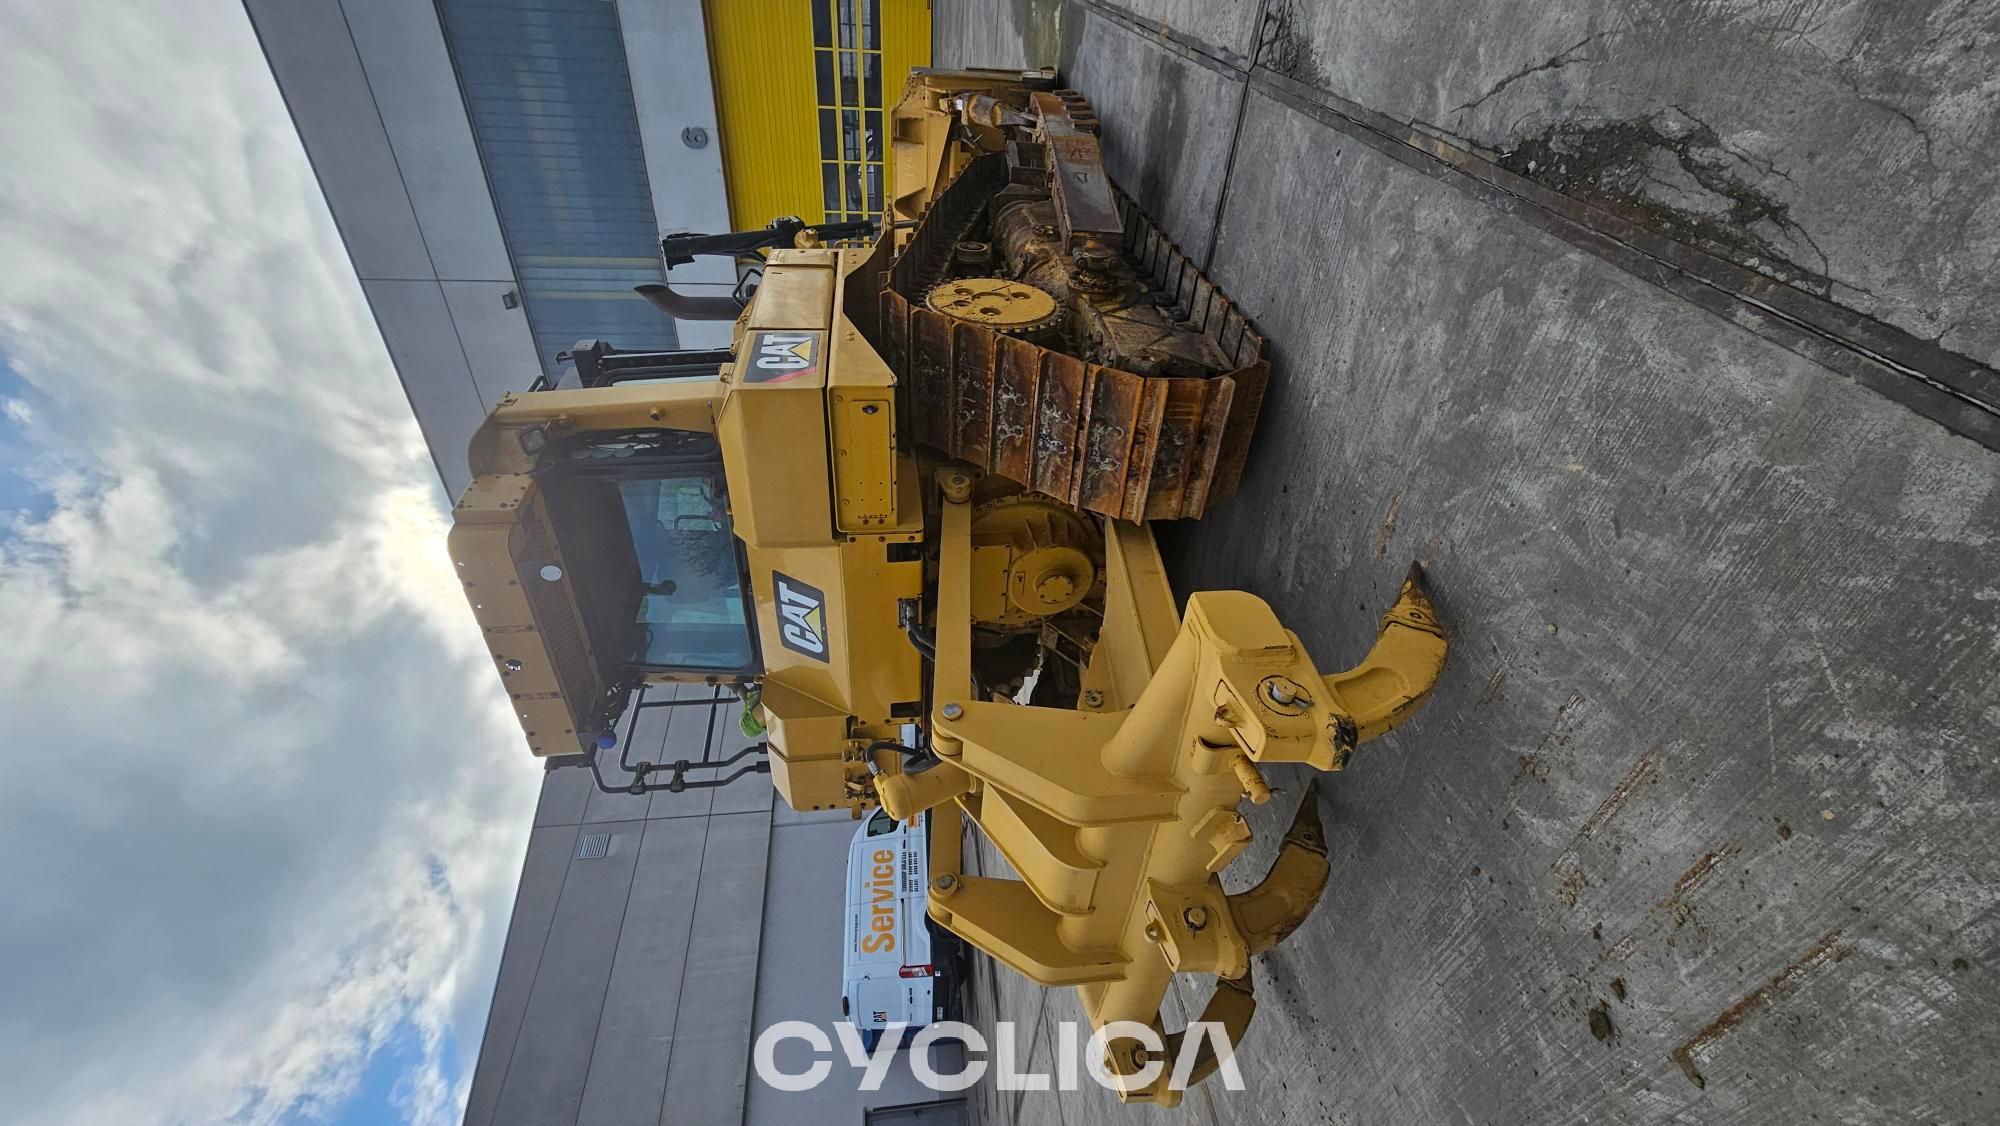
776, 357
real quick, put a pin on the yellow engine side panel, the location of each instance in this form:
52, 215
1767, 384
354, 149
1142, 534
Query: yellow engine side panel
826, 624
827, 595
861, 423
808, 738
772, 424
797, 291
774, 451
864, 458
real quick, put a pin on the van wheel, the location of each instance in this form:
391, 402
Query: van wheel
957, 952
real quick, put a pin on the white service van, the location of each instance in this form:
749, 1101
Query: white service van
897, 968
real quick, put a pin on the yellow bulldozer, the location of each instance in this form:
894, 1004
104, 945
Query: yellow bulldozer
904, 520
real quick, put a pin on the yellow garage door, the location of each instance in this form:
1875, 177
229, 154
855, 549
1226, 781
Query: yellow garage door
800, 87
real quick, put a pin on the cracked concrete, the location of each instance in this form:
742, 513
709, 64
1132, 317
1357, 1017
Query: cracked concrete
1284, 49
1874, 126
1671, 172
1698, 825
1562, 58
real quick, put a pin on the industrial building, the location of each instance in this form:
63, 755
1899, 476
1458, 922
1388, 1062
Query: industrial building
501, 172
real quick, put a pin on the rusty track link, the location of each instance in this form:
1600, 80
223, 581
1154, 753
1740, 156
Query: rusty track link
1115, 442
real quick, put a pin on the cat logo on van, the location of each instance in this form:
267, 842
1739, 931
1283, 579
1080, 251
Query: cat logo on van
776, 357
801, 616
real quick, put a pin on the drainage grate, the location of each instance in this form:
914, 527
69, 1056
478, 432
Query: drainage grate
593, 846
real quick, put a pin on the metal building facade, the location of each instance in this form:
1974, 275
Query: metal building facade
451, 251
653, 937
551, 105
800, 87
470, 153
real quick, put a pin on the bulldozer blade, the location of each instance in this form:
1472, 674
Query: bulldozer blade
1287, 894
1397, 673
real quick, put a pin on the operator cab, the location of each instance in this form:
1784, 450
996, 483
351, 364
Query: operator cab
643, 520
645, 515
597, 547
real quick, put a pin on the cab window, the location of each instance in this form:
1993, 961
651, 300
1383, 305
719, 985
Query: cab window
691, 609
643, 519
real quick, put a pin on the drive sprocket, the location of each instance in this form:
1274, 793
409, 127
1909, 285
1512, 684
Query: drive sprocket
1010, 307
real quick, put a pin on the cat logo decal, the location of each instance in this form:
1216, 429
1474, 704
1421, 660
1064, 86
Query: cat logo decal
777, 357
801, 616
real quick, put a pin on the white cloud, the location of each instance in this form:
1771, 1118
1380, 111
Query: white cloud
264, 802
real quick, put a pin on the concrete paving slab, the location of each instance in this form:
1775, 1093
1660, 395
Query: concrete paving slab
1849, 147
1225, 29
1715, 718
1020, 34
1714, 758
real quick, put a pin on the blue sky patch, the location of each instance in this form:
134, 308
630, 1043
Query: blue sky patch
376, 1100
19, 496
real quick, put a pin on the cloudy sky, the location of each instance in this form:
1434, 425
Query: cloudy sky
264, 806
